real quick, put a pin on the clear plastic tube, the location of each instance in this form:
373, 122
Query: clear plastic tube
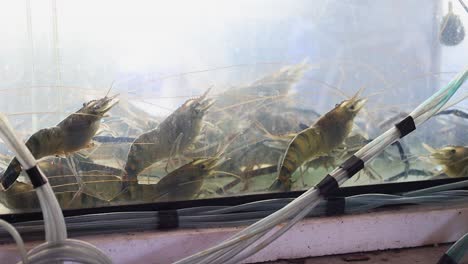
438, 188
271, 238
68, 250
233, 250
250, 206
18, 240
459, 249
24, 156
259, 227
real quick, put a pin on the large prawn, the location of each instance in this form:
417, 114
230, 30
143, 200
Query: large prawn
327, 133
185, 182
75, 132
179, 130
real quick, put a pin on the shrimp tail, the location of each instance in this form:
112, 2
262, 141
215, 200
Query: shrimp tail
283, 182
276, 185
125, 183
11, 174
45, 142
128, 177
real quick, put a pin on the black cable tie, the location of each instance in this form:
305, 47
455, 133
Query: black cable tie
446, 259
168, 219
35, 176
335, 206
406, 126
352, 165
327, 185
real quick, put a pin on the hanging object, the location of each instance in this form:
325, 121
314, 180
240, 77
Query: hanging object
452, 31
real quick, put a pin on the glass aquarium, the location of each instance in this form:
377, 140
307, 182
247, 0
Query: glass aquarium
133, 102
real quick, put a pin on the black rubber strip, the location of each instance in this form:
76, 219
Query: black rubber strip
446, 259
406, 126
168, 219
35, 176
335, 206
327, 186
352, 165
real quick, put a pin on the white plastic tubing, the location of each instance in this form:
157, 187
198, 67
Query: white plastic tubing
57, 247
248, 241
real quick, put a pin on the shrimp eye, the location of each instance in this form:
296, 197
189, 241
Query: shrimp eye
202, 166
352, 107
452, 151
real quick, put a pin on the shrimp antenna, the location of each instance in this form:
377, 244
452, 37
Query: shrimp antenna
358, 93
203, 96
231, 140
110, 88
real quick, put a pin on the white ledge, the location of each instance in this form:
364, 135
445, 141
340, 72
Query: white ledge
312, 237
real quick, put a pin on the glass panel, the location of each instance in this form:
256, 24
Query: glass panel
215, 96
